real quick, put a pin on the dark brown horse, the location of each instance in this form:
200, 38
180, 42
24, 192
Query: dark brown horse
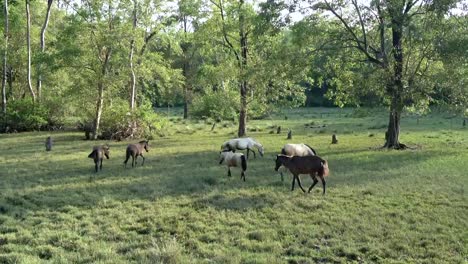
98, 154
135, 150
312, 165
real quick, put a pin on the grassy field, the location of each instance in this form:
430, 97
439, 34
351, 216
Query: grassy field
381, 206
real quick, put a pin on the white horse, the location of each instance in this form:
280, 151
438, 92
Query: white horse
300, 150
241, 144
232, 159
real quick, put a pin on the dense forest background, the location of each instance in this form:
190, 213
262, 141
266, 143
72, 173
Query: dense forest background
103, 65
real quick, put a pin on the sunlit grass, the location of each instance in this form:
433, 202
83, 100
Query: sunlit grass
381, 206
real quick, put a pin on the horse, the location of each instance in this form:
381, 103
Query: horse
300, 150
232, 159
136, 150
48, 144
98, 154
311, 165
241, 144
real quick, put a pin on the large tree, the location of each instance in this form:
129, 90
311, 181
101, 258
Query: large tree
380, 31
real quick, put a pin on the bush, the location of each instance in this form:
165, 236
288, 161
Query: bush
24, 115
216, 105
118, 122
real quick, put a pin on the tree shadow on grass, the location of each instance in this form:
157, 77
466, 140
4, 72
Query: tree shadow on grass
74, 183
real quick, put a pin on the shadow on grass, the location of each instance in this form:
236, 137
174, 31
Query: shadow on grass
72, 182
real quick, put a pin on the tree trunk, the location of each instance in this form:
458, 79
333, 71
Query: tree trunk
99, 107
185, 71
100, 99
28, 41
5, 55
243, 110
243, 66
43, 31
392, 137
132, 47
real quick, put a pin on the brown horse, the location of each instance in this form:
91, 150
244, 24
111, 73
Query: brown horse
312, 165
136, 150
98, 154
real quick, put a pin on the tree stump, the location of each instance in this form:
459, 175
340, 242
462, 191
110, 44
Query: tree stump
48, 144
289, 134
334, 139
278, 130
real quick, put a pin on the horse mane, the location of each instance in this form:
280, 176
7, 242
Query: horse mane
313, 150
144, 141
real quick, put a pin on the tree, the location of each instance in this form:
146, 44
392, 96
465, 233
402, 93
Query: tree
28, 43
187, 15
364, 28
240, 51
5, 58
132, 48
43, 31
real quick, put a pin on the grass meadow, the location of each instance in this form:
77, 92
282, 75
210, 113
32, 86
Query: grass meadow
381, 206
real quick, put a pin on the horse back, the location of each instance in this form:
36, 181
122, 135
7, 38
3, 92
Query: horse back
307, 164
133, 149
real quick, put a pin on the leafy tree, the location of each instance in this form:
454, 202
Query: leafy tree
381, 32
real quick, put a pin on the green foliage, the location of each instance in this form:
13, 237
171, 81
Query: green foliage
119, 122
220, 104
24, 115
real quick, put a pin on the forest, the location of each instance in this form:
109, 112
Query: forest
103, 66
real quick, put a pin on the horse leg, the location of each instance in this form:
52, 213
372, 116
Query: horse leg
243, 175
133, 161
125, 162
312, 175
229, 171
143, 163
323, 183
300, 185
247, 153
96, 165
293, 182
100, 164
255, 156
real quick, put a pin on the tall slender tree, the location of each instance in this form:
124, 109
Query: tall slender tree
28, 43
5, 57
132, 50
43, 32
241, 53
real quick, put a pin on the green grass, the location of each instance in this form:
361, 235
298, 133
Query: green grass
381, 206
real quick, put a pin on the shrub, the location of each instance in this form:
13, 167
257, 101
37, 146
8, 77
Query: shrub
118, 122
216, 105
24, 115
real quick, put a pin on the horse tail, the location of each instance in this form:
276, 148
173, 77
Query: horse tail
325, 169
92, 155
313, 150
127, 155
244, 163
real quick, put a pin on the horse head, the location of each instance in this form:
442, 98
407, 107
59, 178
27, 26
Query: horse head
261, 150
106, 151
280, 159
145, 144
